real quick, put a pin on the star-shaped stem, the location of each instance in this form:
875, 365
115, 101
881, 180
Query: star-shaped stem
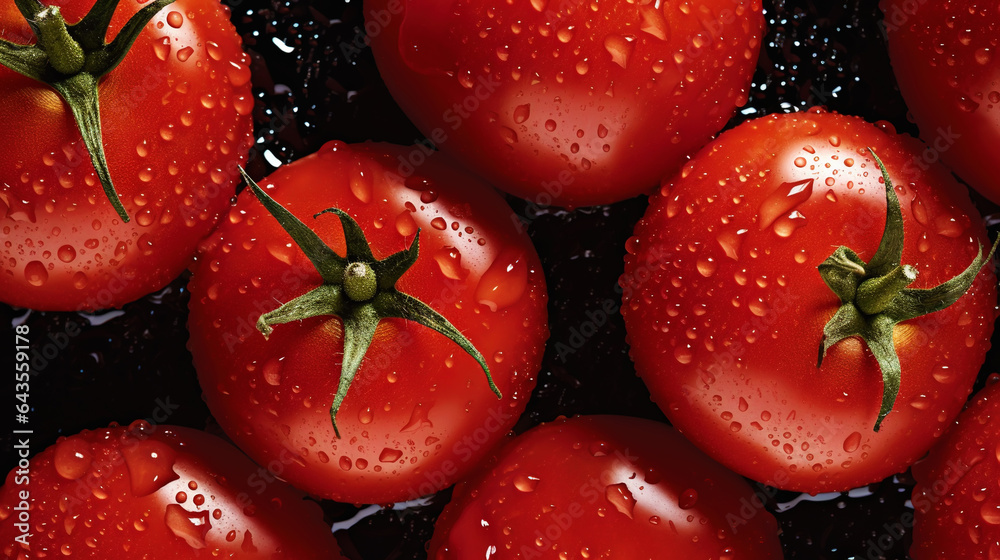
72, 59
357, 288
874, 296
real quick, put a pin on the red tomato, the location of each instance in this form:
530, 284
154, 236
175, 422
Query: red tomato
572, 103
176, 123
420, 412
605, 487
155, 492
956, 499
726, 309
942, 56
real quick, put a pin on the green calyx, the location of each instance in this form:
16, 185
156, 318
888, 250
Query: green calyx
875, 296
72, 59
357, 288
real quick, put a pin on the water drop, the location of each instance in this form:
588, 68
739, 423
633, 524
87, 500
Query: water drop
272, 372
193, 527
449, 260
72, 458
150, 466
184, 54
66, 253
361, 182
521, 113
439, 223
621, 497
620, 48
239, 74
943, 374
162, 48
418, 418
175, 20
783, 200
508, 135
526, 483
405, 224
653, 22
786, 225
707, 266
505, 281
389, 455
345, 463
852, 442
35, 273
366, 415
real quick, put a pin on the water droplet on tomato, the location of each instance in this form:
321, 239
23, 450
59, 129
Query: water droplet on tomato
66, 253
783, 200
405, 224
193, 527
943, 374
707, 266
621, 497
743, 405
504, 283
150, 466
184, 54
653, 22
272, 372
449, 260
521, 113
439, 223
508, 135
687, 499
35, 273
730, 242
345, 463
786, 225
990, 512
389, 455
72, 458
526, 483
852, 442
418, 418
620, 48
175, 20
162, 48
361, 182
243, 104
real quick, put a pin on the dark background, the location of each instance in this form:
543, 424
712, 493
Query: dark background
119, 366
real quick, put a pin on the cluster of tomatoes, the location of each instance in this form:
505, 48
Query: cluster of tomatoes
807, 297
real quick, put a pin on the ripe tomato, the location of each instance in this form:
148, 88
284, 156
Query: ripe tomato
419, 413
154, 492
942, 56
176, 124
571, 102
605, 487
727, 310
956, 499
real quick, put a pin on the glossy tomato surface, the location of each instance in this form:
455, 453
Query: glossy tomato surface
944, 60
567, 103
154, 492
956, 499
419, 413
176, 120
725, 307
605, 487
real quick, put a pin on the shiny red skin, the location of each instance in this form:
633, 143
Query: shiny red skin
567, 103
728, 345
420, 413
605, 487
174, 133
157, 492
943, 56
956, 499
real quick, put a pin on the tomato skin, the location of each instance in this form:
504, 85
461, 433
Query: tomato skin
174, 132
610, 486
419, 413
956, 497
561, 104
157, 492
725, 308
941, 57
